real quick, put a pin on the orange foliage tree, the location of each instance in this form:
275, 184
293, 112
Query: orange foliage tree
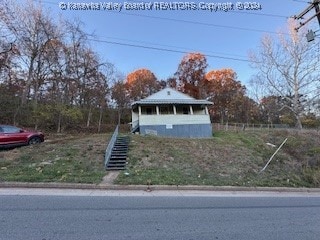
191, 74
141, 83
227, 94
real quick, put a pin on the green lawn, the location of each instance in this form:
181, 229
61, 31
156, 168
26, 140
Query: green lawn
73, 159
228, 158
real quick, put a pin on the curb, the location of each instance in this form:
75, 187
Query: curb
155, 187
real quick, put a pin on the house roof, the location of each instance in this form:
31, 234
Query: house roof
170, 96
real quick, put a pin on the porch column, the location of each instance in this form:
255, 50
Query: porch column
207, 111
191, 110
174, 110
157, 110
139, 107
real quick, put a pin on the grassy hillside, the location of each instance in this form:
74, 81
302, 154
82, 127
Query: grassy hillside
61, 158
229, 158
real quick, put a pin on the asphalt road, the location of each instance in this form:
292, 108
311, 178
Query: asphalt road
158, 217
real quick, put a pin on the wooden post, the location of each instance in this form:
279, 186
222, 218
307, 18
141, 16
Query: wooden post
207, 111
191, 110
274, 155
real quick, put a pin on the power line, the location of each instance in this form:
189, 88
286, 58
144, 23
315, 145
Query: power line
244, 12
197, 23
301, 1
261, 14
166, 49
188, 22
313, 5
202, 23
170, 46
240, 12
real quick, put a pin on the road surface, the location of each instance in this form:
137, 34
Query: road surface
168, 216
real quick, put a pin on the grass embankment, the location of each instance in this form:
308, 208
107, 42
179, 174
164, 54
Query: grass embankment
62, 158
229, 158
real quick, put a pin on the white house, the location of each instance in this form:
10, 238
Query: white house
172, 113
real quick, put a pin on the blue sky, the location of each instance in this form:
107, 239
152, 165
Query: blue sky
219, 34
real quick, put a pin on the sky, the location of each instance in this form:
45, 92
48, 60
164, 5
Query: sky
158, 38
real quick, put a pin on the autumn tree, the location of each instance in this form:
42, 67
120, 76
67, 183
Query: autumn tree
54, 77
79, 77
243, 109
270, 109
141, 83
225, 91
172, 82
8, 90
191, 74
120, 95
162, 84
32, 29
289, 67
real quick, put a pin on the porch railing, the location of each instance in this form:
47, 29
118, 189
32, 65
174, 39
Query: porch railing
134, 126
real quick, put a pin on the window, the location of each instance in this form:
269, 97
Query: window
10, 129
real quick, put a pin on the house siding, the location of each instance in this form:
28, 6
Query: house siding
178, 119
181, 131
173, 114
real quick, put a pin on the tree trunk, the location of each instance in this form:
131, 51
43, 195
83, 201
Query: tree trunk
26, 91
296, 105
100, 119
89, 116
298, 123
222, 117
119, 116
59, 123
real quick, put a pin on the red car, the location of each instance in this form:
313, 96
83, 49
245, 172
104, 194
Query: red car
11, 136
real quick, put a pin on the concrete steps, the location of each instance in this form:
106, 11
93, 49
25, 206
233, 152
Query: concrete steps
118, 158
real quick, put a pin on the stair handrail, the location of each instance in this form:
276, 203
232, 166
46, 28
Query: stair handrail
111, 145
134, 125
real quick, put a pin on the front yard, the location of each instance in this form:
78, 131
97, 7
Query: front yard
229, 158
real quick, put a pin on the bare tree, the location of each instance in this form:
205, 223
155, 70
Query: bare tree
288, 66
121, 96
33, 30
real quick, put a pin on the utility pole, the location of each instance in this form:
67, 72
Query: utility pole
317, 8
313, 5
